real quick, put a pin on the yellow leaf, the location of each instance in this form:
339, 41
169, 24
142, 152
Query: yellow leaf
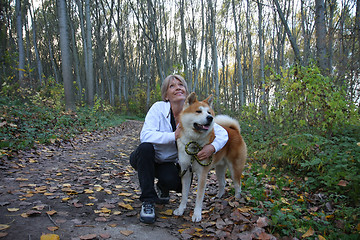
168, 212
98, 187
245, 209
91, 197
66, 185
22, 179
108, 191
65, 199
309, 233
124, 205
52, 212
125, 194
283, 200
116, 213
105, 210
358, 227
88, 191
126, 232
13, 209
50, 237
89, 204
321, 237
24, 215
128, 200
4, 226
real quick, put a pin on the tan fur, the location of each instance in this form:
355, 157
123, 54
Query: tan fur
232, 156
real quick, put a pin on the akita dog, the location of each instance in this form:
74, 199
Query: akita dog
197, 123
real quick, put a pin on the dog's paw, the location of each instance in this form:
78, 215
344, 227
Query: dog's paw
178, 212
196, 217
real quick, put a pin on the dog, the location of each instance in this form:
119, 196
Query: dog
197, 129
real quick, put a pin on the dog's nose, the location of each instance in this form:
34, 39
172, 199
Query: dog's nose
209, 118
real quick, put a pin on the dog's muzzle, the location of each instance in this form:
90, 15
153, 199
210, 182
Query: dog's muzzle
204, 127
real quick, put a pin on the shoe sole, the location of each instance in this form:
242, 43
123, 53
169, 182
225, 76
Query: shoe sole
147, 220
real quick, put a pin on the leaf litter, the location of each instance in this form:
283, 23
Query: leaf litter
88, 181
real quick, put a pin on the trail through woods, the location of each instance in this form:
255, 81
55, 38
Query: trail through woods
85, 189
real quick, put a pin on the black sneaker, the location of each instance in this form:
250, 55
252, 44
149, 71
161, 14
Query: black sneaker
163, 196
147, 214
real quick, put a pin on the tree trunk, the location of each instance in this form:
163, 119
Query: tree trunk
65, 56
262, 67
239, 76
90, 70
38, 60
248, 30
214, 54
321, 35
288, 32
19, 29
183, 43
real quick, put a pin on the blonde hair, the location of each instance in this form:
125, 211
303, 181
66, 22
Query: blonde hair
166, 82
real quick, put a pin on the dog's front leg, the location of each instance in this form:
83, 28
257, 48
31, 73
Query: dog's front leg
186, 182
202, 176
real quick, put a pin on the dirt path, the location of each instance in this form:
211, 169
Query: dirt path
86, 189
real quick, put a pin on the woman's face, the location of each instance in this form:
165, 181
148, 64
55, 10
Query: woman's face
176, 91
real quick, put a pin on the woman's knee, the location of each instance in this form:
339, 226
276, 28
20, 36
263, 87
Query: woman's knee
146, 149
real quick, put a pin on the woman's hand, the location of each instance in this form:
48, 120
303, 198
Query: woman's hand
206, 152
177, 132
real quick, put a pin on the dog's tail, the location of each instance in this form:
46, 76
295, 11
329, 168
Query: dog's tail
226, 121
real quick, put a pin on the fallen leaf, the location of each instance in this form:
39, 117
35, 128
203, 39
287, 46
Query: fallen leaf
262, 222
3, 234
4, 226
321, 237
13, 209
124, 205
53, 229
126, 232
50, 237
309, 233
168, 212
343, 183
105, 235
88, 237
52, 212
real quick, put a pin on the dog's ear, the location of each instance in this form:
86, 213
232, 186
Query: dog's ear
190, 99
209, 100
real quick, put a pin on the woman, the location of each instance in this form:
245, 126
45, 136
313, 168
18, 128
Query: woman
156, 156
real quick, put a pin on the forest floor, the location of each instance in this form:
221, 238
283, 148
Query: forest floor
85, 188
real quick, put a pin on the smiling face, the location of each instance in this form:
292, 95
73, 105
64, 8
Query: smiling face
176, 91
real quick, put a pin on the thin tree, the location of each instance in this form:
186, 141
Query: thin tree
288, 32
320, 35
90, 70
19, 30
65, 55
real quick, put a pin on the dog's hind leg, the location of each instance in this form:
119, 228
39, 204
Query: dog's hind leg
220, 175
186, 182
236, 177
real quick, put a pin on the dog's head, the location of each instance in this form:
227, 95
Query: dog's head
198, 115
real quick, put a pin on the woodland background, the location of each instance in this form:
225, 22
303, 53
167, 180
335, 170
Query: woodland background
288, 70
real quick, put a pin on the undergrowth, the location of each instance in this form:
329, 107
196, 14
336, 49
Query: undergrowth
33, 118
304, 179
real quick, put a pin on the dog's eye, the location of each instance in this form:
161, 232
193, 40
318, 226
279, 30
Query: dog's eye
209, 112
198, 111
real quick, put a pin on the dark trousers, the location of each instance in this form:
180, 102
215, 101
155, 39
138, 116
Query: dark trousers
143, 160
